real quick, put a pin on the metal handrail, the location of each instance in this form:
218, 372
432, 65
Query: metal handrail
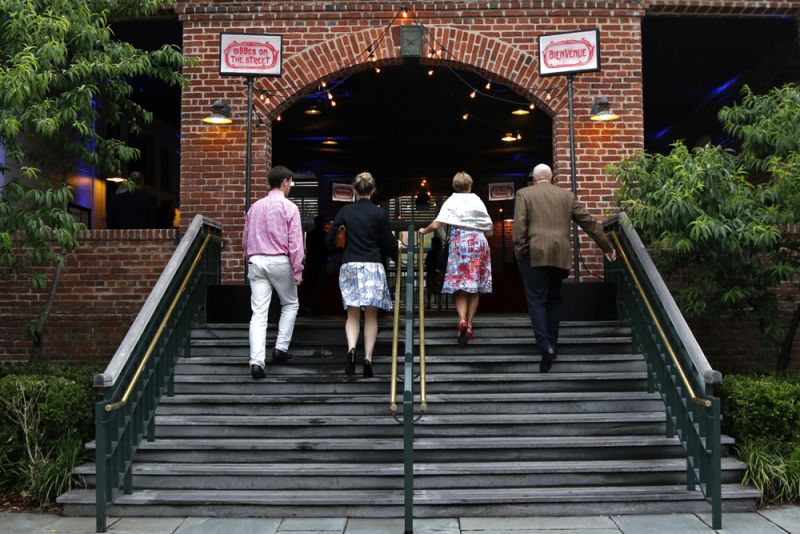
423, 399
151, 347
396, 330
676, 365
689, 389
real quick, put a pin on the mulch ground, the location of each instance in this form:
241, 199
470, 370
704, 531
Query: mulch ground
15, 502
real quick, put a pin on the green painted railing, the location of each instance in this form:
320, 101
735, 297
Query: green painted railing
676, 365
143, 367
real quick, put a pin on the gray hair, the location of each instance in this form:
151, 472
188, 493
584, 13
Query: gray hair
543, 172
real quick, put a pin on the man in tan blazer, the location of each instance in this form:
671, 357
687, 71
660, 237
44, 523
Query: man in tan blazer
542, 217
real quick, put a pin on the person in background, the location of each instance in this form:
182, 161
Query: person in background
316, 266
469, 262
273, 247
435, 264
542, 216
362, 278
132, 208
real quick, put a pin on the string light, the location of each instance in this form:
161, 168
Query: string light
279, 118
472, 94
377, 70
531, 106
324, 84
547, 94
333, 103
405, 11
519, 136
330, 96
488, 86
430, 72
465, 116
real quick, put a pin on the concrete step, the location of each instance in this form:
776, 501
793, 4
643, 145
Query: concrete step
428, 502
439, 403
309, 476
441, 383
474, 449
500, 363
429, 425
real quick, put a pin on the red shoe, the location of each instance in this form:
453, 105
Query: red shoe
470, 335
463, 328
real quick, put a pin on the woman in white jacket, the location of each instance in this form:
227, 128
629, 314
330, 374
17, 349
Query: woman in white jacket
469, 262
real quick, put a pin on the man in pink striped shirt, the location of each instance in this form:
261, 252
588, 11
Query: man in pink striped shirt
273, 247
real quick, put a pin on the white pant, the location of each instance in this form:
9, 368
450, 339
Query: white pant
265, 274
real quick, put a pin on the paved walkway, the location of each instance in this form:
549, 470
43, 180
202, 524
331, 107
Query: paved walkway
780, 520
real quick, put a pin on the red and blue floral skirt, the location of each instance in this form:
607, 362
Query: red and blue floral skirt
469, 262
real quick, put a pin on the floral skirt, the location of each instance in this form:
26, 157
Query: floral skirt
364, 284
469, 262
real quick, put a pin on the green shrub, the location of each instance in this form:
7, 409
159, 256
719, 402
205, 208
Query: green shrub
762, 406
46, 414
771, 468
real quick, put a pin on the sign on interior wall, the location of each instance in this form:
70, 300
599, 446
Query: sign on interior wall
564, 53
246, 54
501, 191
342, 193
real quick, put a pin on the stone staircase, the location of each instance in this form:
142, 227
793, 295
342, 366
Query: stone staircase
499, 438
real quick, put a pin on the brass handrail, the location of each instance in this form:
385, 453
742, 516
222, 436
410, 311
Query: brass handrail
396, 329
689, 389
124, 400
423, 400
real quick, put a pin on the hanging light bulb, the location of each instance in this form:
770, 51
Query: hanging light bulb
324, 84
531, 107
261, 97
430, 72
330, 96
472, 94
333, 103
377, 70
279, 118
405, 11
547, 94
465, 116
519, 136
488, 86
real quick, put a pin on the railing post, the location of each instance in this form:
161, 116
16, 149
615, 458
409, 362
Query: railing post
102, 486
408, 390
714, 487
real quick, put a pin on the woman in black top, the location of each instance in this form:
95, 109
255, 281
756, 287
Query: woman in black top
362, 279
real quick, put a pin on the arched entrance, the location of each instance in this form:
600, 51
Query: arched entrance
414, 126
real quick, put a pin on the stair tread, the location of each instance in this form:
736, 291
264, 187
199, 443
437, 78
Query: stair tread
421, 469
428, 419
506, 340
419, 443
555, 396
328, 378
429, 359
421, 497
485, 321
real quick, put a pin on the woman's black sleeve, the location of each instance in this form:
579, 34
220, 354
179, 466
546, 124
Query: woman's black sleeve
388, 241
330, 237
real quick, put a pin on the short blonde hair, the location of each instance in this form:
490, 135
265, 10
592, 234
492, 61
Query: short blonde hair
364, 184
462, 182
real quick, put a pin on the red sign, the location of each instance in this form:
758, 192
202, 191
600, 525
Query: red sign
247, 54
564, 53
342, 193
501, 191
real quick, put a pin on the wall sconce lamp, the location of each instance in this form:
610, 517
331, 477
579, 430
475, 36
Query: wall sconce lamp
220, 114
601, 110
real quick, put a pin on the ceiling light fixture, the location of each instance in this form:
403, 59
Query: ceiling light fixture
509, 138
330, 141
601, 110
116, 178
313, 110
521, 111
220, 114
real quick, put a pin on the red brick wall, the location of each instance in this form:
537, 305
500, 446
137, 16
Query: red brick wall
103, 286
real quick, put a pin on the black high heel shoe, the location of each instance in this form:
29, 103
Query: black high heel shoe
368, 369
350, 363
